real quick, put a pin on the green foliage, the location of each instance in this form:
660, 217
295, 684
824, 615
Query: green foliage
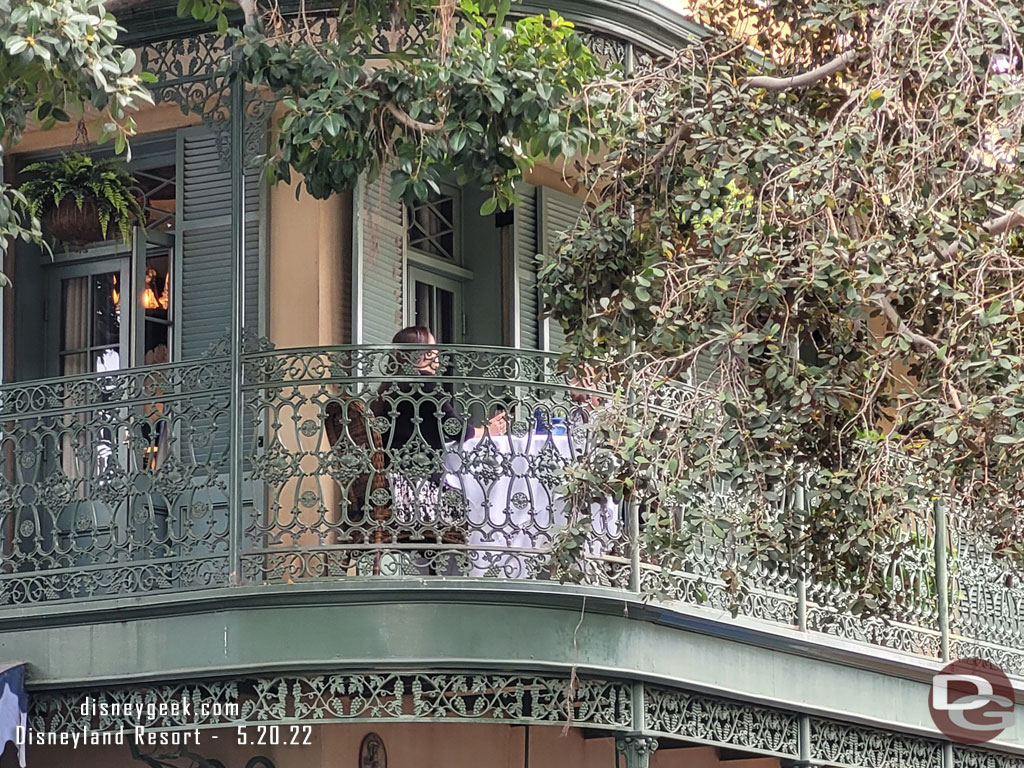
55, 56
60, 53
208, 10
106, 183
471, 99
828, 251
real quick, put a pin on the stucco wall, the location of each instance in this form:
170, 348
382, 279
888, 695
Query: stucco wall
309, 268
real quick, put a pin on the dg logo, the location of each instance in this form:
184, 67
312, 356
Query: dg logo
971, 701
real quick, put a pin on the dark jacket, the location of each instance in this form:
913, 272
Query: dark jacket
438, 420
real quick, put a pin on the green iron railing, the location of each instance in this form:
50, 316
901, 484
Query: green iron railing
355, 463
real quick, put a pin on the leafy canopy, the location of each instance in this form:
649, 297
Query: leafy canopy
56, 56
833, 252
468, 96
834, 256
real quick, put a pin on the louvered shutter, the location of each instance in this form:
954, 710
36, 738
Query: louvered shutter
379, 239
204, 226
558, 212
705, 369
527, 300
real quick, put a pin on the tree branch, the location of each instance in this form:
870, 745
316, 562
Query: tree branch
805, 79
659, 158
900, 324
118, 6
1008, 220
365, 79
409, 122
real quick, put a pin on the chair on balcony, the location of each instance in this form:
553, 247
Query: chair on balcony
348, 427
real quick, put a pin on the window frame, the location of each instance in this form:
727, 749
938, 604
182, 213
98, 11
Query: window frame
430, 260
156, 151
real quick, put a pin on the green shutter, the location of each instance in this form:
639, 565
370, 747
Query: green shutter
527, 300
378, 250
558, 212
705, 369
204, 229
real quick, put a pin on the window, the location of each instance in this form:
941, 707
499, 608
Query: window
435, 279
92, 336
433, 225
111, 304
436, 302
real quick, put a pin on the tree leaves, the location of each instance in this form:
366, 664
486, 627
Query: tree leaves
58, 55
746, 252
498, 102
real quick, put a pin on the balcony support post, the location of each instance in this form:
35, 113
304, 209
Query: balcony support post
942, 579
804, 741
636, 745
633, 520
637, 748
799, 502
237, 321
942, 589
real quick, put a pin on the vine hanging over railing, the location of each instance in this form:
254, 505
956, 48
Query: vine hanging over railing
820, 244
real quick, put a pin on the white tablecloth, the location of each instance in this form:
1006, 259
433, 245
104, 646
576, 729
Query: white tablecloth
510, 485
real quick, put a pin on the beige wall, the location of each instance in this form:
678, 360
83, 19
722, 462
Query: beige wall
162, 117
556, 178
310, 253
409, 745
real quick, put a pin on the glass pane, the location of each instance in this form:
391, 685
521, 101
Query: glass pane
106, 310
158, 343
445, 208
431, 227
424, 305
446, 232
445, 332
156, 300
157, 185
108, 359
156, 293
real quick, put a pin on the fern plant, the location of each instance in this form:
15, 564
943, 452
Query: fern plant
103, 185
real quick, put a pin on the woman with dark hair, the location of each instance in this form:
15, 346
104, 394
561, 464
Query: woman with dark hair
421, 417
422, 409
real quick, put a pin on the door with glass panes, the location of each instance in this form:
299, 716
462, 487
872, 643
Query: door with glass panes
113, 311
107, 312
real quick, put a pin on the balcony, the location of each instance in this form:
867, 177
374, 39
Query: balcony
366, 465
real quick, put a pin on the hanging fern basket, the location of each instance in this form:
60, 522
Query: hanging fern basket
76, 226
74, 195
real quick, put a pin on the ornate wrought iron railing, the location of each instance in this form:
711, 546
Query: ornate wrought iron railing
387, 463
372, 461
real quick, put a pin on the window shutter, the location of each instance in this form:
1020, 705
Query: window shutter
558, 213
527, 300
705, 369
379, 239
204, 229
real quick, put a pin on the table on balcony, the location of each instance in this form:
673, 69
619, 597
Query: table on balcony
513, 507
